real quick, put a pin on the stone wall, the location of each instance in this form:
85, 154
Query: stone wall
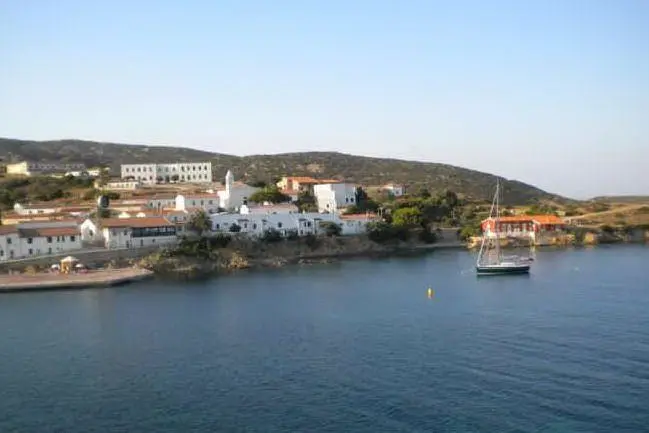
91, 258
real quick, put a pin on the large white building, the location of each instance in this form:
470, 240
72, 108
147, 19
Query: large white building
38, 238
27, 168
285, 220
184, 172
129, 232
332, 197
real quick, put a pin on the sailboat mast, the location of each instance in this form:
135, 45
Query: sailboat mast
498, 219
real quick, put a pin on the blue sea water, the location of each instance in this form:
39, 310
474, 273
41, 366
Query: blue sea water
355, 346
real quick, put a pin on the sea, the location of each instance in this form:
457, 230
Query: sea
356, 346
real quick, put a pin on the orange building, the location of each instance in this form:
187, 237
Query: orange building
522, 225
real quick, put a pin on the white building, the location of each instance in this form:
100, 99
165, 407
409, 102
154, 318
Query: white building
331, 197
210, 203
121, 185
130, 232
233, 196
184, 172
26, 168
36, 208
38, 238
255, 221
394, 189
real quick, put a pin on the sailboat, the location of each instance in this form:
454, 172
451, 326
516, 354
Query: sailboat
492, 262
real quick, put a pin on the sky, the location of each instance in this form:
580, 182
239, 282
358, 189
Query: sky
554, 93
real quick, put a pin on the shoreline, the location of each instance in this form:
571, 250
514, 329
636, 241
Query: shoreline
12, 283
173, 264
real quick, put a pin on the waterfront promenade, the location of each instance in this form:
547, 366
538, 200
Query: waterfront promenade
50, 281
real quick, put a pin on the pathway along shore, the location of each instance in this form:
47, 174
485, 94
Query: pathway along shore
55, 281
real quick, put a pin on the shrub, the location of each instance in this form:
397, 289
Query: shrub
220, 240
330, 228
311, 241
607, 229
428, 237
271, 236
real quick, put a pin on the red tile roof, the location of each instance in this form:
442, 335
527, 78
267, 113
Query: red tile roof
358, 216
548, 219
8, 229
48, 232
136, 222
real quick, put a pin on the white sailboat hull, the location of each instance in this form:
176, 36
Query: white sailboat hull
502, 265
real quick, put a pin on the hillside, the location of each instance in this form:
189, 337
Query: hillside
622, 199
359, 169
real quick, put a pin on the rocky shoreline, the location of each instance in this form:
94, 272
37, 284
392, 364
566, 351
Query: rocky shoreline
246, 254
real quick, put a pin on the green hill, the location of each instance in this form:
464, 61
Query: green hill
358, 169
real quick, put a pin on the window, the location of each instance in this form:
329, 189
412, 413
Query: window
31, 251
49, 239
49, 251
279, 225
29, 241
2, 253
8, 241
73, 238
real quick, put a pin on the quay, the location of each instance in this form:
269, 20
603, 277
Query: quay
57, 281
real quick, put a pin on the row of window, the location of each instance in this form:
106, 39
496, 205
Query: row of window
254, 225
153, 231
30, 252
58, 239
166, 169
166, 179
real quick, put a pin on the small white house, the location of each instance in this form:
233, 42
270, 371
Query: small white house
121, 185
394, 189
38, 238
269, 208
207, 202
130, 232
331, 197
36, 208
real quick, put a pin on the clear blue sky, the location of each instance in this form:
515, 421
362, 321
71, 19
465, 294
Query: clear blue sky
554, 93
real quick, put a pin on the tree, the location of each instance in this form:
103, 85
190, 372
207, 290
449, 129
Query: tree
104, 176
423, 193
199, 222
450, 198
270, 194
330, 228
306, 202
364, 203
407, 217
257, 184
271, 235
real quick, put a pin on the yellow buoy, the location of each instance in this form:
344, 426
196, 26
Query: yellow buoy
430, 292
